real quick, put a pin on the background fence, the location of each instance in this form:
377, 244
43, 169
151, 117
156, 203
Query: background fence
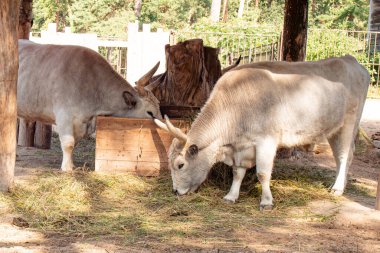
321, 44
260, 45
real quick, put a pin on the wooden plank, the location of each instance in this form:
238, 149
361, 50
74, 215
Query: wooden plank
140, 168
114, 123
132, 155
138, 146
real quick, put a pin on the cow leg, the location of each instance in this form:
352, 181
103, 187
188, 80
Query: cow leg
265, 153
343, 146
239, 174
66, 136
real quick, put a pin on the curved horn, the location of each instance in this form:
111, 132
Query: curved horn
168, 126
144, 80
161, 125
232, 66
155, 83
176, 131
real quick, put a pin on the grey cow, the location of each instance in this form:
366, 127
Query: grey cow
70, 85
256, 108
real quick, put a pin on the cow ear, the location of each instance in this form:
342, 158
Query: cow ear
193, 150
129, 99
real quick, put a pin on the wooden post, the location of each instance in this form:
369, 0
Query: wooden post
377, 205
8, 82
294, 34
42, 136
25, 129
31, 134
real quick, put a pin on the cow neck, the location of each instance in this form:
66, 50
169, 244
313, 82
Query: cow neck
209, 127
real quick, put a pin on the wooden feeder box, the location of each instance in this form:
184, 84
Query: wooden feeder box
126, 145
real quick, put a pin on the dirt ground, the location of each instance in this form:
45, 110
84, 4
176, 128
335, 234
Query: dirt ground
345, 224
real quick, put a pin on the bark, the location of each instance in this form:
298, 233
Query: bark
294, 35
241, 9
192, 71
25, 19
313, 7
138, 4
257, 3
9, 10
225, 10
215, 10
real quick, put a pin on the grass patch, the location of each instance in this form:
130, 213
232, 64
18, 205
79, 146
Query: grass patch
135, 208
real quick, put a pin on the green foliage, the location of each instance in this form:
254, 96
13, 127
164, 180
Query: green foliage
340, 14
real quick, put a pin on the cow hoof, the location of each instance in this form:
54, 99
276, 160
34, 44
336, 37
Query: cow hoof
264, 208
229, 200
67, 169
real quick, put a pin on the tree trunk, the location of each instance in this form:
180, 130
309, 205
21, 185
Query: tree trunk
25, 19
313, 7
225, 10
215, 10
185, 87
9, 10
294, 35
241, 9
42, 136
138, 4
257, 3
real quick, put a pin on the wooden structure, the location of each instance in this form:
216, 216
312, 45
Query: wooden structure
132, 145
8, 83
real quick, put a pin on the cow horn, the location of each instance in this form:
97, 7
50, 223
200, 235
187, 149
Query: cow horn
232, 66
168, 126
144, 80
155, 83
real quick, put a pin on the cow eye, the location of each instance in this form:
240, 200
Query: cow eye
150, 114
180, 166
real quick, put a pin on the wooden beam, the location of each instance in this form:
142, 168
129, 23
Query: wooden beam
8, 82
294, 34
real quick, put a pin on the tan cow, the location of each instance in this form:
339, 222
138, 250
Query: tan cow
70, 85
257, 108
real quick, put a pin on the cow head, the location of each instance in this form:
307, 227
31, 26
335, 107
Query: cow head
189, 165
148, 105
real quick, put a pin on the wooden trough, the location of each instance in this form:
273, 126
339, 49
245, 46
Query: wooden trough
126, 145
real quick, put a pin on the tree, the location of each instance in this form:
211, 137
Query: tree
138, 4
294, 35
215, 10
225, 10
8, 81
241, 8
